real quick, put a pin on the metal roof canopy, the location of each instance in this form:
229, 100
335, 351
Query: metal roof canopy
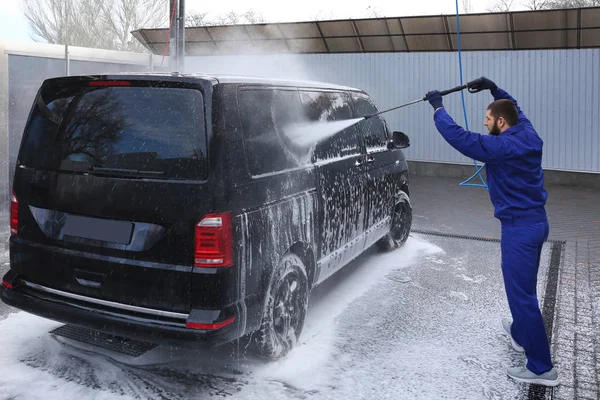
523, 30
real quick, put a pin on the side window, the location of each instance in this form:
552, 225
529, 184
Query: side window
291, 126
374, 130
322, 108
265, 116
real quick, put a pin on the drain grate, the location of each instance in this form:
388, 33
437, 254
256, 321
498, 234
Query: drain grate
539, 392
476, 238
117, 344
455, 236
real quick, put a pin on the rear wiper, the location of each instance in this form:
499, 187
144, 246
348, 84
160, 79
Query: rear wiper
123, 172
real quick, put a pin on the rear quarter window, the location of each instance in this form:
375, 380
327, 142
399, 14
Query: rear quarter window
265, 115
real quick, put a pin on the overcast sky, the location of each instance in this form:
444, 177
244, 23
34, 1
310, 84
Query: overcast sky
14, 26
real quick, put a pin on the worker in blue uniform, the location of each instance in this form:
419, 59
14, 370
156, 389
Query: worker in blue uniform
512, 152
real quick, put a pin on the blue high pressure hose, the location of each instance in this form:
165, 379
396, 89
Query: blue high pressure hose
462, 93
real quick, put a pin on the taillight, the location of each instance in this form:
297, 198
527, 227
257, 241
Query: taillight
110, 83
214, 241
14, 215
7, 284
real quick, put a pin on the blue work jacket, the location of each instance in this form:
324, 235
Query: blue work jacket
513, 164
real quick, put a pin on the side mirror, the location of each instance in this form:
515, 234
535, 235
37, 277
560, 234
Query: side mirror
400, 140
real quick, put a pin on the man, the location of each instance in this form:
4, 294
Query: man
512, 153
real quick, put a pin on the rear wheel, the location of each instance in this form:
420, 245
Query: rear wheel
285, 308
401, 225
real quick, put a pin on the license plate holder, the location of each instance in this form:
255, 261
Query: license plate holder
98, 229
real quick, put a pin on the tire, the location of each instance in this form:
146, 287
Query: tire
285, 309
401, 225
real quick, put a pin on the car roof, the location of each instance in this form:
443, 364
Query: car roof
223, 78
245, 79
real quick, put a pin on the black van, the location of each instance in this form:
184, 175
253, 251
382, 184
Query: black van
197, 209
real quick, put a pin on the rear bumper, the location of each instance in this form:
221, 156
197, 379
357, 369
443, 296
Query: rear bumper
154, 329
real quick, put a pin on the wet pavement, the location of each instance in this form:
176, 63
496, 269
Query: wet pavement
421, 322
442, 206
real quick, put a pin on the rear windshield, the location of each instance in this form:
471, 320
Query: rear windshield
154, 130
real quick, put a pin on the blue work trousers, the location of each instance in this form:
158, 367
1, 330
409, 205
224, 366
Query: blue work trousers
521, 246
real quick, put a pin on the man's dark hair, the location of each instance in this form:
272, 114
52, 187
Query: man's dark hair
506, 109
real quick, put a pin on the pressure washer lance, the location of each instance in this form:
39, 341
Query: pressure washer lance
473, 88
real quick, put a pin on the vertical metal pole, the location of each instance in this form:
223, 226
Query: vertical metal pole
67, 60
5, 162
181, 37
177, 38
173, 36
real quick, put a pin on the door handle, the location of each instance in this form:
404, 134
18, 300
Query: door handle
370, 160
358, 163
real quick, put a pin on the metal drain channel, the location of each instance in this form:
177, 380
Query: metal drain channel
454, 236
117, 344
467, 237
539, 392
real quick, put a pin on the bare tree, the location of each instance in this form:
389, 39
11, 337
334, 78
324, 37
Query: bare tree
197, 19
104, 24
536, 4
253, 17
123, 16
557, 4
500, 6
321, 15
373, 12
230, 18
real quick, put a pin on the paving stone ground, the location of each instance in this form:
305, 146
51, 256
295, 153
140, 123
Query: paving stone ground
576, 345
441, 205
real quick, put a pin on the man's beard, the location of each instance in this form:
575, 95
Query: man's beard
495, 130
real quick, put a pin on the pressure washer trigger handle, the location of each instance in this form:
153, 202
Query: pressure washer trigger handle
475, 85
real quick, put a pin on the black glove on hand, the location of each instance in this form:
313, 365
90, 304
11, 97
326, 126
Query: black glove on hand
435, 99
480, 84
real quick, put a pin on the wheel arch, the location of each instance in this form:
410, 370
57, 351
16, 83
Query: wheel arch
306, 253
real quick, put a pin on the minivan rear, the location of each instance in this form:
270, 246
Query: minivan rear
112, 207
